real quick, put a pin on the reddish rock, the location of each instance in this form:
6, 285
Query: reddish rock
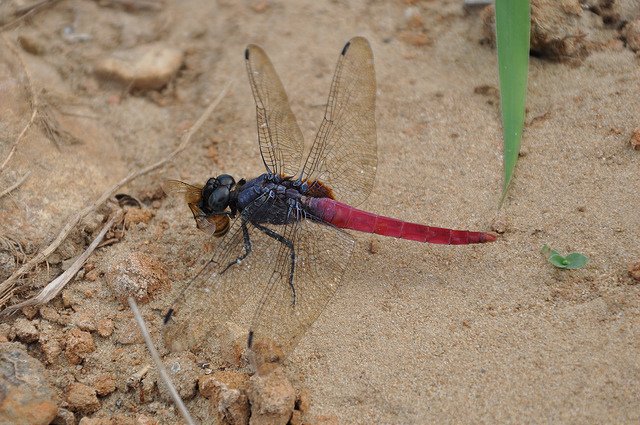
78, 345
272, 398
26, 398
82, 398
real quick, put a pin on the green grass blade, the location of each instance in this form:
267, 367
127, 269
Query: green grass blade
512, 40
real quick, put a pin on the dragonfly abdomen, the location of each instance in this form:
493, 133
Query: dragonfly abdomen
347, 217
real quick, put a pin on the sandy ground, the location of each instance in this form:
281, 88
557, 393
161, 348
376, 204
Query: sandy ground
417, 333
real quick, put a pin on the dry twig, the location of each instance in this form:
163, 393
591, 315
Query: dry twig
56, 285
156, 359
15, 185
9, 283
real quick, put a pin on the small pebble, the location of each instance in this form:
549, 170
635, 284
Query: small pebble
82, 398
374, 246
147, 67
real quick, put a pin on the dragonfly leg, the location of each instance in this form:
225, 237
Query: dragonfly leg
288, 244
247, 248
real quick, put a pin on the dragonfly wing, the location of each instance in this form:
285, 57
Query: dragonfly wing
280, 139
344, 153
192, 194
222, 285
284, 313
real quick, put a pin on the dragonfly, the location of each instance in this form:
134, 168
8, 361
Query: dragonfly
284, 246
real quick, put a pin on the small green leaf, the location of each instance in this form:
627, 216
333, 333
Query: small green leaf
575, 260
558, 261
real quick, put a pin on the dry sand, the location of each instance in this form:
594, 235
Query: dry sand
417, 334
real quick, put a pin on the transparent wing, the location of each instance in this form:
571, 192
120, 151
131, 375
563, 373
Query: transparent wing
192, 193
283, 314
208, 301
344, 153
280, 139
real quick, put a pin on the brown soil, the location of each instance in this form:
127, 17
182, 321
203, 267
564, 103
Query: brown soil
417, 333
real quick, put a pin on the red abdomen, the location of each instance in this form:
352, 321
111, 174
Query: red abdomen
347, 217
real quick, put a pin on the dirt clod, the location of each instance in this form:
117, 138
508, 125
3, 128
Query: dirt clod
104, 384
560, 30
137, 274
82, 398
25, 330
84, 320
78, 345
226, 391
105, 327
272, 398
137, 215
51, 348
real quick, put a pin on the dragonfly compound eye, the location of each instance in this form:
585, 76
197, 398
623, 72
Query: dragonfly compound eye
226, 180
219, 199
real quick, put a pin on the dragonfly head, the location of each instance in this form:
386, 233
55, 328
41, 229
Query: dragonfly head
216, 193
